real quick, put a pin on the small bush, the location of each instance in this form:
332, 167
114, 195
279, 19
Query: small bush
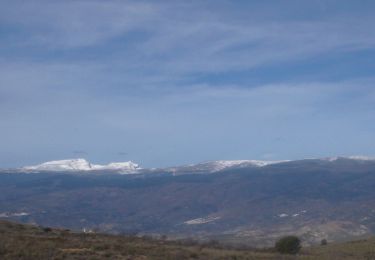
194, 255
288, 245
323, 242
47, 229
3, 249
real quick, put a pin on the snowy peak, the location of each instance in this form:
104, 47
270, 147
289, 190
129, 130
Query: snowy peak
225, 164
82, 165
354, 157
120, 166
216, 166
62, 165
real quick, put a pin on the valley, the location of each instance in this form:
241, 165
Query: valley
240, 204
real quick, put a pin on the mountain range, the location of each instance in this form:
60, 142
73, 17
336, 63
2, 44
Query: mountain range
244, 201
81, 165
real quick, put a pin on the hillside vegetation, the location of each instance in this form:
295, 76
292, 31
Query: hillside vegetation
313, 199
18, 241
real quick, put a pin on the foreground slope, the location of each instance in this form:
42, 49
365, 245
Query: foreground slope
30, 242
19, 241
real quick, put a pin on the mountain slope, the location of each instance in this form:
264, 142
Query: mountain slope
315, 199
31, 242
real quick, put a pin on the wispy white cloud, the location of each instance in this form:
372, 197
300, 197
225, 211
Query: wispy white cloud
184, 38
72, 24
141, 76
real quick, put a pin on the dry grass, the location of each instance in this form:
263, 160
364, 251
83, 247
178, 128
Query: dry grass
30, 242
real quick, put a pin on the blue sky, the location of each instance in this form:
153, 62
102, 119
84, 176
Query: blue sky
165, 83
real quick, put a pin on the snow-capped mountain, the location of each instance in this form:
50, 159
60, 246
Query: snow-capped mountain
61, 165
216, 166
82, 165
236, 199
221, 165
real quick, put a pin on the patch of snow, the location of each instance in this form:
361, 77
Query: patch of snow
82, 165
295, 215
121, 166
353, 157
225, 164
16, 214
20, 214
283, 215
62, 165
89, 231
362, 158
199, 221
215, 166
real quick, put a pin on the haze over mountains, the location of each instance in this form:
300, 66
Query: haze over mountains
234, 201
80, 164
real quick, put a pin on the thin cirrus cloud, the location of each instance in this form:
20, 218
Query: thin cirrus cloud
73, 24
175, 82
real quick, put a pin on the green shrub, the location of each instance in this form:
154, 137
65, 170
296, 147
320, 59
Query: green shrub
3, 249
47, 229
288, 245
194, 255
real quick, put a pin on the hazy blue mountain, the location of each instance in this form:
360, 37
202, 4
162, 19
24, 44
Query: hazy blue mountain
243, 202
